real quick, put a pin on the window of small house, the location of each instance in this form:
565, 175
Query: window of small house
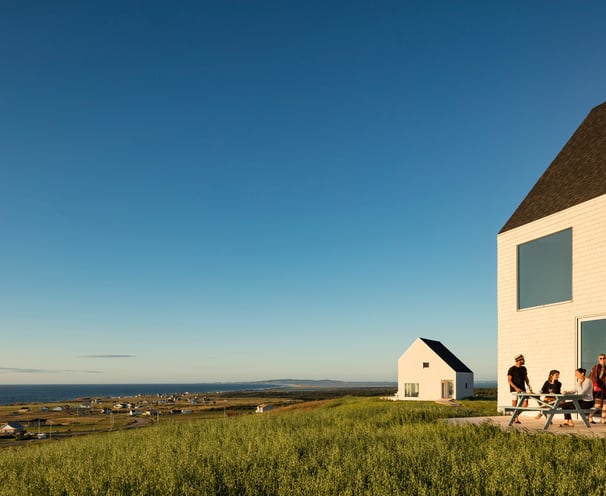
545, 270
425, 365
411, 390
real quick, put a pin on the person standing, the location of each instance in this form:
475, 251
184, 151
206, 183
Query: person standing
598, 371
582, 388
517, 377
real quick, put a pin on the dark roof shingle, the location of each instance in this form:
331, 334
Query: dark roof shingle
445, 354
576, 175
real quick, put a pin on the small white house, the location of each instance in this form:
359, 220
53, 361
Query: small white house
429, 371
11, 429
263, 408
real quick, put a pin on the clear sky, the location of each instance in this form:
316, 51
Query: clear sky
202, 191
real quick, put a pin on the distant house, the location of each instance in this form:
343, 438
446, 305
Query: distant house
430, 371
263, 408
11, 429
35, 421
551, 265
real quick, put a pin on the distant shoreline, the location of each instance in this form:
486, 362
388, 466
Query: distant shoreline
52, 393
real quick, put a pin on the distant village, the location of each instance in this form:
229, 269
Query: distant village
32, 421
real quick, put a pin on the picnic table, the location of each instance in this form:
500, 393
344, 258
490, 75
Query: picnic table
549, 408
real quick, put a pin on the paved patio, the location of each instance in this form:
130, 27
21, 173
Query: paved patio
531, 425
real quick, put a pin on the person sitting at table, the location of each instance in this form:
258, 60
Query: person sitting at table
583, 388
551, 386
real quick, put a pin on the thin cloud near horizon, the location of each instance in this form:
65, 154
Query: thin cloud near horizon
107, 356
26, 370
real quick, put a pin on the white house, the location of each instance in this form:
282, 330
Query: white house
263, 408
429, 371
551, 265
11, 429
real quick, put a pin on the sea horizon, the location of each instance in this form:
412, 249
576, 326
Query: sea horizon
52, 393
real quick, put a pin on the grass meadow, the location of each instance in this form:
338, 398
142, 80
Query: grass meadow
346, 446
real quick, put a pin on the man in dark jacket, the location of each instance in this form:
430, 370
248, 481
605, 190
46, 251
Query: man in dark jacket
517, 377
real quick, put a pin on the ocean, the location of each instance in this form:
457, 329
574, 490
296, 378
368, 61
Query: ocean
49, 393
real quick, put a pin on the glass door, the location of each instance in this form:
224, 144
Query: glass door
592, 341
447, 389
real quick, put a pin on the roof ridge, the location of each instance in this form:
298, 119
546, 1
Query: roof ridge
576, 175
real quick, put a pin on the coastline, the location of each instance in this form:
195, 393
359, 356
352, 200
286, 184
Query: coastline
52, 393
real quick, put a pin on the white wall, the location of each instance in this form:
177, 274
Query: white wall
463, 385
547, 335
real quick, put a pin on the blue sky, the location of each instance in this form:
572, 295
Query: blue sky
248, 190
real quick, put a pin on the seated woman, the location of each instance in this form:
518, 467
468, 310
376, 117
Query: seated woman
584, 388
551, 386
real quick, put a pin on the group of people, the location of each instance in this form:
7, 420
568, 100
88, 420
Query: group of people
590, 389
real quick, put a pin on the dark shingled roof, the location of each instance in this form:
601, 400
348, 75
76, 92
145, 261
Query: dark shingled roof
445, 354
576, 175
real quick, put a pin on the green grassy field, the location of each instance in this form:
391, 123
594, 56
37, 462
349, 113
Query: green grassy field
344, 446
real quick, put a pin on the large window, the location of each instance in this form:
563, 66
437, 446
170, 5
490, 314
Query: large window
545, 270
592, 341
411, 390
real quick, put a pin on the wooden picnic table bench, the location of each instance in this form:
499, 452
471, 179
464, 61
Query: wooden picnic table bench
549, 408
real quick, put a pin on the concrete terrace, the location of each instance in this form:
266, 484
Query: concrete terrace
532, 426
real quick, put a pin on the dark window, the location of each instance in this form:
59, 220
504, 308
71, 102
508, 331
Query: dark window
545, 270
593, 342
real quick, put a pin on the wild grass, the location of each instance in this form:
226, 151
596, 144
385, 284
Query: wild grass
348, 446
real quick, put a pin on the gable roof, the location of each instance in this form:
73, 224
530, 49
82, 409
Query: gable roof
445, 354
13, 425
576, 175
